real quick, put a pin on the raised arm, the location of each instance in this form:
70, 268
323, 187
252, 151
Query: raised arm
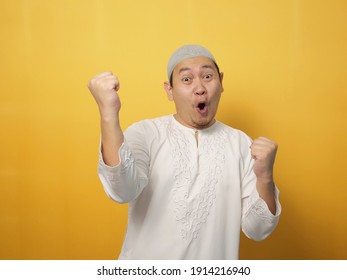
104, 88
261, 208
264, 152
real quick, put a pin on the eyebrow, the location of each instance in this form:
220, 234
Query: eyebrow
183, 69
208, 66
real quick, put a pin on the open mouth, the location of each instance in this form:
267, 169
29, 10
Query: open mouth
202, 107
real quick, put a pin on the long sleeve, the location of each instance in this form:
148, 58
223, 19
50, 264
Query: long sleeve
257, 220
124, 182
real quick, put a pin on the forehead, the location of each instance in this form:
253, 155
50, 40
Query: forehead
195, 64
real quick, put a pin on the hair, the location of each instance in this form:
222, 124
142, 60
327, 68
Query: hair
171, 76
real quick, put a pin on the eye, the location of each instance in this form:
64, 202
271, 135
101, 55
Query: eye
208, 77
186, 79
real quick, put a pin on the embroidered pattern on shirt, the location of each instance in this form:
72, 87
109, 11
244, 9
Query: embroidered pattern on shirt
127, 158
192, 209
259, 208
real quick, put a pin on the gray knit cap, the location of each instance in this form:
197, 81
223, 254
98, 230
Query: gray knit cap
185, 52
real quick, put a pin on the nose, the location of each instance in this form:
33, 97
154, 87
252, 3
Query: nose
199, 88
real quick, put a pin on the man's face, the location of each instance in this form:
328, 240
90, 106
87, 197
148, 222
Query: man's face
196, 90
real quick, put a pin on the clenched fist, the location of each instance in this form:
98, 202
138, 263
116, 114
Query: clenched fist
104, 88
263, 151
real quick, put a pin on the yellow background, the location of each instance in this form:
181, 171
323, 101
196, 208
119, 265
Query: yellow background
285, 65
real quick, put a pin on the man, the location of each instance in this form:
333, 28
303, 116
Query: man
191, 182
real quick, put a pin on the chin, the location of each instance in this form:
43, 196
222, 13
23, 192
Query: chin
204, 123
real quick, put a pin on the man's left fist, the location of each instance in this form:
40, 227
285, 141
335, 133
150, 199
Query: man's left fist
263, 151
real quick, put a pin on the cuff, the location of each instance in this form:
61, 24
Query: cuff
125, 158
259, 206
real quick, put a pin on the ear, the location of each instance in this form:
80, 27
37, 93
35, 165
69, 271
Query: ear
221, 76
168, 89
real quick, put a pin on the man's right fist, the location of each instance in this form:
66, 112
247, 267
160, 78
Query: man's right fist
104, 87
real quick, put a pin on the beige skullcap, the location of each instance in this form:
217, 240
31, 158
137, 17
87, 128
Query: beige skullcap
185, 52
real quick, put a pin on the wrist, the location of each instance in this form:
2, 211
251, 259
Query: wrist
265, 186
109, 116
265, 180
265, 177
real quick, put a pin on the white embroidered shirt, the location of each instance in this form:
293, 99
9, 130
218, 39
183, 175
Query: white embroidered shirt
188, 199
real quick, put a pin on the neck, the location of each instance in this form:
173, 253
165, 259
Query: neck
194, 125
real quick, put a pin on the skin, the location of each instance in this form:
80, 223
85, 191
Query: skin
104, 88
195, 80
